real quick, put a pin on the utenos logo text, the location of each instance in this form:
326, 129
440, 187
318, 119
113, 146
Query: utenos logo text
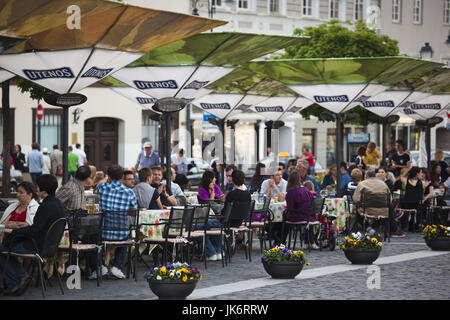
269, 109
166, 84
343, 98
215, 106
196, 85
371, 104
142, 100
430, 106
64, 72
95, 72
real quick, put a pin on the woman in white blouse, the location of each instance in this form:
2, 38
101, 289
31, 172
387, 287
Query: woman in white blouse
21, 213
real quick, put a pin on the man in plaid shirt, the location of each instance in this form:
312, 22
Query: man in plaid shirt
114, 197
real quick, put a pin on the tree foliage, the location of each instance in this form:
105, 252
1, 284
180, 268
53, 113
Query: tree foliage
334, 40
36, 91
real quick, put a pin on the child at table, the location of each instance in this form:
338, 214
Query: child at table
310, 186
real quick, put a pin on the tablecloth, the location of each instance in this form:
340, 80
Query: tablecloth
276, 207
339, 207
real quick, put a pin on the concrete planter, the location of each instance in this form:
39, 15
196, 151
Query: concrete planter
283, 270
438, 244
172, 289
362, 256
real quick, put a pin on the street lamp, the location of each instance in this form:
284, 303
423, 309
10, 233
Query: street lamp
65, 101
167, 106
426, 52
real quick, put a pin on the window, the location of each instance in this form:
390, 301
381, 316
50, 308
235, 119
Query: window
274, 6
447, 11
334, 9
358, 10
417, 11
51, 128
307, 8
243, 4
150, 129
308, 140
396, 10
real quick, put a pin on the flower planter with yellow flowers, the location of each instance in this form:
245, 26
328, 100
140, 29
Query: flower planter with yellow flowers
437, 237
281, 263
173, 281
361, 249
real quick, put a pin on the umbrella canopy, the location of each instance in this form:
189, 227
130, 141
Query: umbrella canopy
184, 68
337, 83
111, 35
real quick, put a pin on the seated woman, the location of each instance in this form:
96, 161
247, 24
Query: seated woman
330, 178
51, 209
209, 190
359, 162
413, 193
356, 175
428, 188
299, 206
21, 214
436, 175
257, 179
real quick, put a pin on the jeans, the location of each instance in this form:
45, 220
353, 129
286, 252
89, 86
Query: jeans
34, 176
14, 271
213, 244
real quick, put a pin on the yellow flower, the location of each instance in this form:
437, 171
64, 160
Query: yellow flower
183, 270
343, 247
433, 230
162, 270
374, 240
308, 263
200, 278
184, 278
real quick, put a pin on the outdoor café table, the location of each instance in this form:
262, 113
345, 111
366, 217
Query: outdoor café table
339, 207
192, 199
276, 207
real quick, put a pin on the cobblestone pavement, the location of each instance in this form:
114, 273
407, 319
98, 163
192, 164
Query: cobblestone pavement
421, 278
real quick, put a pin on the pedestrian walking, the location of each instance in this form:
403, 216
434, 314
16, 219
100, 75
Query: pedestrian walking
82, 160
35, 162
147, 158
56, 158
72, 162
47, 162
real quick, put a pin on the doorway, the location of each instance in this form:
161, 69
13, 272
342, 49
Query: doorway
101, 142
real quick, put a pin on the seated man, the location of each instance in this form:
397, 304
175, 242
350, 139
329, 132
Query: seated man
175, 188
228, 171
356, 176
71, 194
275, 186
302, 168
113, 197
147, 196
167, 198
375, 193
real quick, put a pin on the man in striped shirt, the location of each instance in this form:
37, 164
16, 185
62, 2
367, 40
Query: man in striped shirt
114, 197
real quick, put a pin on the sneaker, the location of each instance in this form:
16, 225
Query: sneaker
212, 258
93, 275
116, 272
314, 246
397, 234
219, 256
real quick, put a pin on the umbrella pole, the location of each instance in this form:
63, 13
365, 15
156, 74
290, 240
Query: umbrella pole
222, 165
428, 144
384, 141
339, 146
257, 141
167, 151
65, 144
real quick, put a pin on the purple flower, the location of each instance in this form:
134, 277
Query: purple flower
262, 259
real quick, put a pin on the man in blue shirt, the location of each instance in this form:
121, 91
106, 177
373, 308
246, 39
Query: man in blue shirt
302, 168
114, 197
147, 158
35, 162
345, 177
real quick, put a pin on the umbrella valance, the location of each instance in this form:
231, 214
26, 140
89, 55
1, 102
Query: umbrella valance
111, 36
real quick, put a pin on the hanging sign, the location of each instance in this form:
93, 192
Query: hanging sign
40, 112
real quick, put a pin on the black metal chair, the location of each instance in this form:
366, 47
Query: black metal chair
113, 223
49, 249
83, 238
371, 200
234, 215
177, 231
201, 217
267, 216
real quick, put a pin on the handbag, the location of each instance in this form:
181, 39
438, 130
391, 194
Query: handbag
59, 170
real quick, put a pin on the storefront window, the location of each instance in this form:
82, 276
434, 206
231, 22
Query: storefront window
331, 146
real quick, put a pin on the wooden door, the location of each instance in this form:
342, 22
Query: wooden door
101, 142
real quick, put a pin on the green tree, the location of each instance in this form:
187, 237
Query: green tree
334, 40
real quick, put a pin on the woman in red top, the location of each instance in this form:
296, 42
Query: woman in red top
21, 214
